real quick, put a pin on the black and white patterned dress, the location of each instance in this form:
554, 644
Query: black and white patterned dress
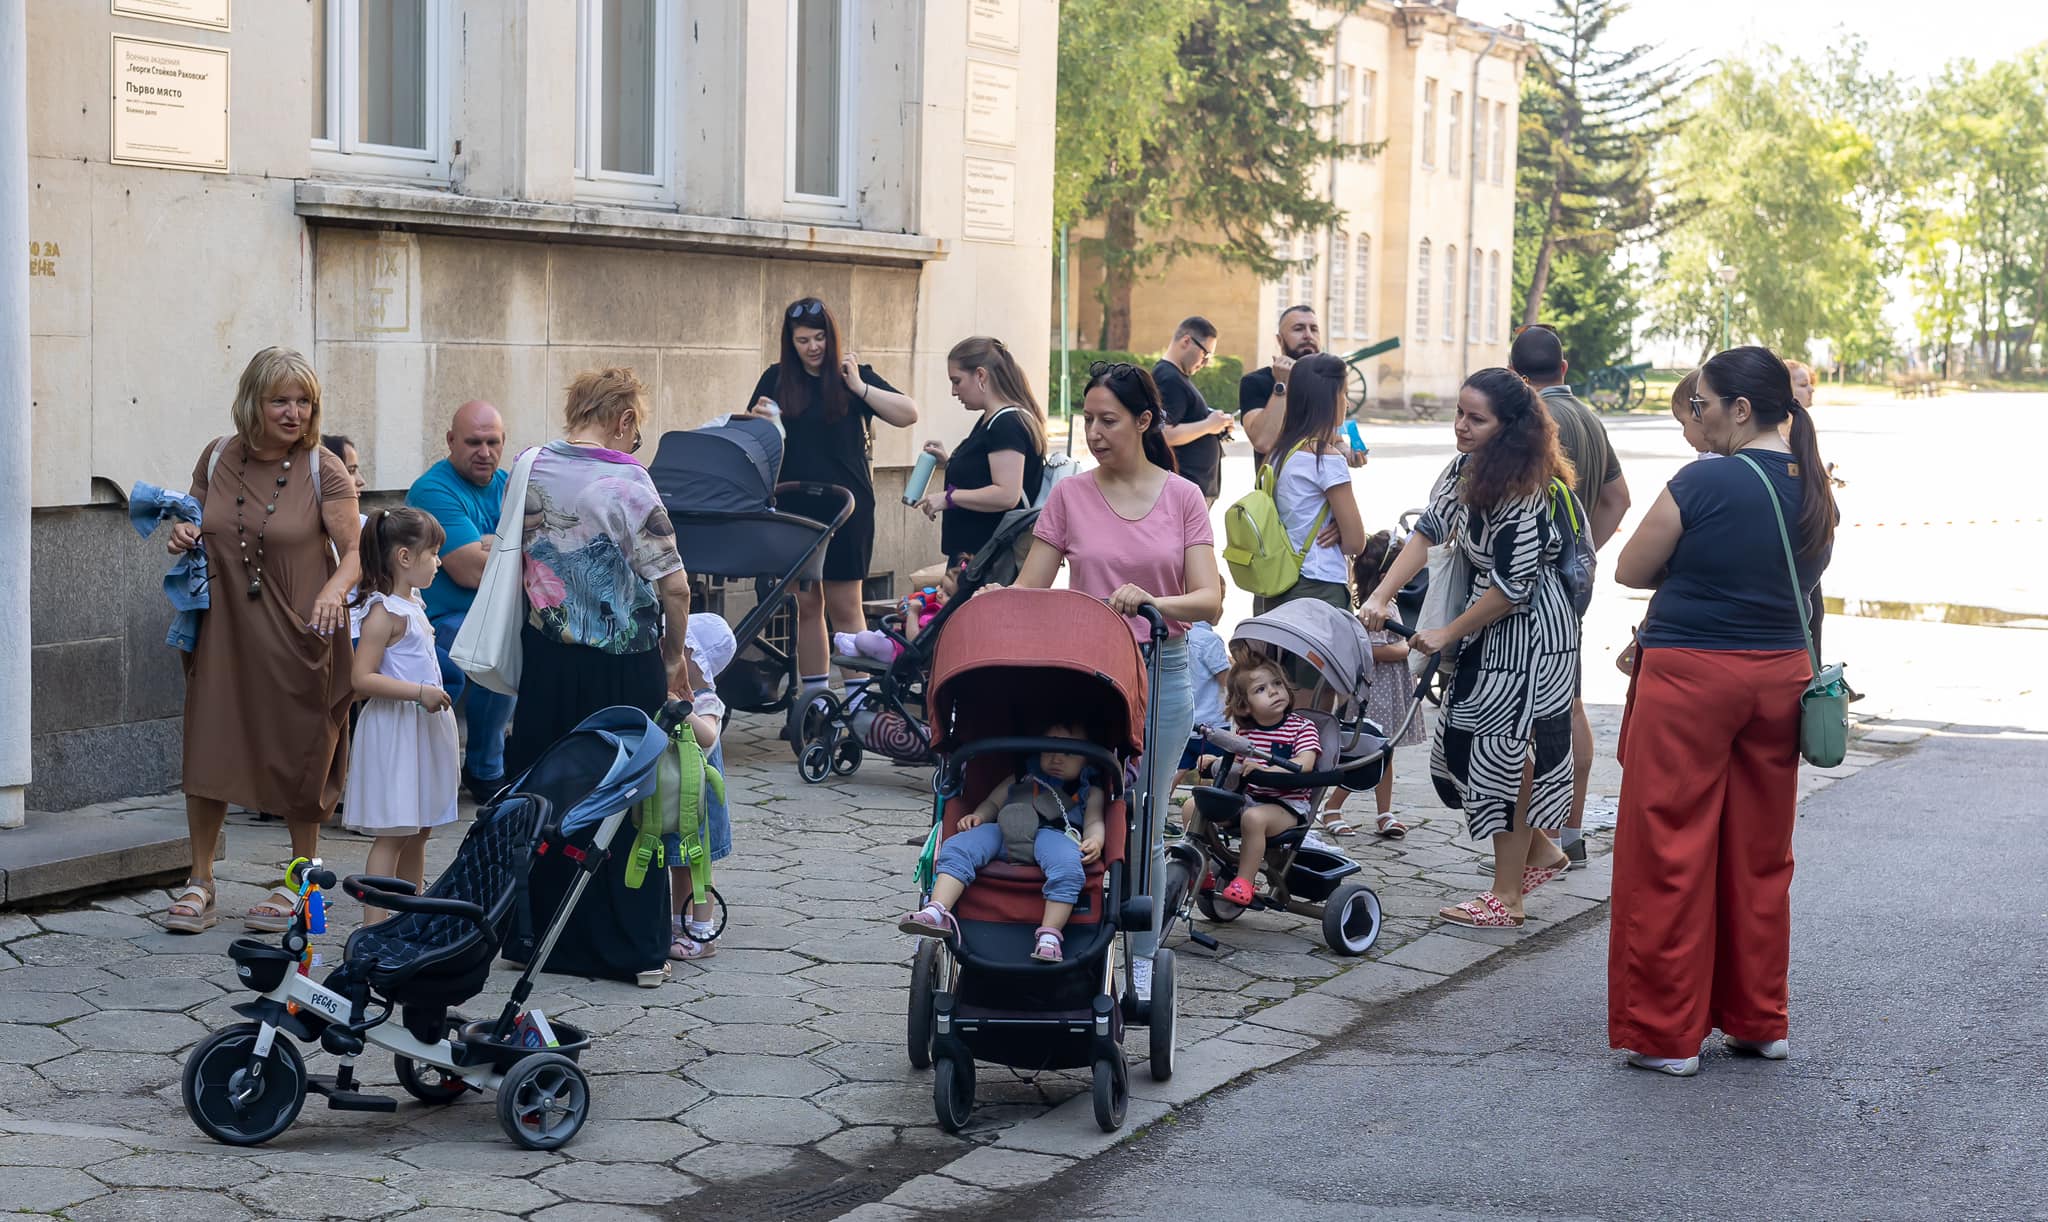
1516, 679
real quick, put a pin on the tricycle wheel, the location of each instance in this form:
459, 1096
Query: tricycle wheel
1165, 1007
1351, 919
1215, 907
953, 1092
1112, 1094
428, 1083
543, 1101
924, 991
237, 1099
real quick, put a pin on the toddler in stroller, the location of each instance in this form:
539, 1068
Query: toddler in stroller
1050, 816
915, 614
1260, 702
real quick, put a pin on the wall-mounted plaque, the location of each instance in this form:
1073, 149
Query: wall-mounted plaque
206, 14
989, 201
991, 104
170, 105
993, 23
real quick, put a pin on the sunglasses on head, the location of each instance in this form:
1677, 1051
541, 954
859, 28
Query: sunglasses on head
806, 309
1111, 369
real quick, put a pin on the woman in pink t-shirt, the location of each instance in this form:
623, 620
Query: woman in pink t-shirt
1135, 534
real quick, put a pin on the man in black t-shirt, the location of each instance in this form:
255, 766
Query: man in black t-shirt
1262, 389
1193, 430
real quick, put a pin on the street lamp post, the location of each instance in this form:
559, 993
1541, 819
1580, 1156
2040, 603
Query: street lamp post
1727, 275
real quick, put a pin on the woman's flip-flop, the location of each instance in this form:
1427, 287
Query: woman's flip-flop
199, 915
1484, 912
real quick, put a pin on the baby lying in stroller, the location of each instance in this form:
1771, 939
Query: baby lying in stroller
1051, 815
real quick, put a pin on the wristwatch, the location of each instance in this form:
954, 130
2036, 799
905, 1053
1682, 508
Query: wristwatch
1279, 387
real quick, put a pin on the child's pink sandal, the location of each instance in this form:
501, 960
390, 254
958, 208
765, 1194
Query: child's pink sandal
930, 921
1051, 946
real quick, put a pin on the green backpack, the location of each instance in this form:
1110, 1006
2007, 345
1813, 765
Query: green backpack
1262, 559
673, 827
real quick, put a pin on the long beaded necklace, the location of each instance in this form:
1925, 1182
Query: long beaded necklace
255, 567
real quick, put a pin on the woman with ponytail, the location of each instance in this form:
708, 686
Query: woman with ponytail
1135, 534
999, 465
1710, 739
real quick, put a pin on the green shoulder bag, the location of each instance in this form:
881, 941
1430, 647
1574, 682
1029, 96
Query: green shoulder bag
1824, 706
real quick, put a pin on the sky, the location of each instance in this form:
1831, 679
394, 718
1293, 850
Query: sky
1912, 37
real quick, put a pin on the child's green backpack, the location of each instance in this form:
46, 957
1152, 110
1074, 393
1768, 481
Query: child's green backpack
1262, 559
674, 826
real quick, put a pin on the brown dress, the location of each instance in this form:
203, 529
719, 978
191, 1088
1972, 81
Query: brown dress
266, 697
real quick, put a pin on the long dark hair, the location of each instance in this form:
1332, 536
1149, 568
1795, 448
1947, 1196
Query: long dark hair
1312, 389
1524, 455
792, 381
1134, 389
1758, 375
384, 532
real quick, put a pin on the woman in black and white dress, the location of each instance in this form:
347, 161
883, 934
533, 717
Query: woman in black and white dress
1503, 748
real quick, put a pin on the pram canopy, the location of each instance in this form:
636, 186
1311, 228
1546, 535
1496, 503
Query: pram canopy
994, 670
718, 484
597, 769
1332, 641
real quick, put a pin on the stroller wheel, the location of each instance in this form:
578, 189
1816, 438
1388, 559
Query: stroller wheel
543, 1101
1165, 1008
846, 757
428, 1083
815, 764
1216, 908
1112, 1094
809, 719
234, 1098
924, 989
1351, 919
953, 1092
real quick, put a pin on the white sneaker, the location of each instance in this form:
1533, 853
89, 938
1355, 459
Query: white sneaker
1677, 1067
1769, 1050
1141, 978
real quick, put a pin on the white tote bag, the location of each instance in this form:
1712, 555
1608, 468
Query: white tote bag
1449, 593
487, 648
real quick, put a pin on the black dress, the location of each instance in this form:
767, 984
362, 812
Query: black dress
965, 531
818, 450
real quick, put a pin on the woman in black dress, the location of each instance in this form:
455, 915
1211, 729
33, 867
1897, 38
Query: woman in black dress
825, 398
998, 467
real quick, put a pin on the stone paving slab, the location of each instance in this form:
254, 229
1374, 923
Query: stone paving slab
772, 1071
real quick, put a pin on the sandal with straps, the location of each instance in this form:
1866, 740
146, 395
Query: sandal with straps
1535, 876
273, 913
1483, 912
198, 915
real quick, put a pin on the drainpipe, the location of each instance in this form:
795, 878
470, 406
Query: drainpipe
1472, 205
15, 459
1330, 230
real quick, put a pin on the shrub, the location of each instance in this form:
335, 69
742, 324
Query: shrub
1217, 382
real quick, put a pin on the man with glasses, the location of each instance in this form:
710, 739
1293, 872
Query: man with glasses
1262, 389
1193, 429
1538, 355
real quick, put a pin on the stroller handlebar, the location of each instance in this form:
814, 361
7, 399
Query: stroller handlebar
396, 894
1239, 745
1150, 614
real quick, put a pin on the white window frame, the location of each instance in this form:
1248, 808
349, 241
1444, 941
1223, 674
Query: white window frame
1493, 297
1500, 129
593, 182
1482, 117
1450, 310
343, 149
1361, 285
1305, 274
1475, 265
1457, 147
840, 207
1429, 122
1368, 94
1338, 300
1423, 271
1346, 88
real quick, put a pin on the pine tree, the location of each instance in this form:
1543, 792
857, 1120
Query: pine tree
1589, 126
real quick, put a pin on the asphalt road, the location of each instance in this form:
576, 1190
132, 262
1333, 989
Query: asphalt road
1920, 948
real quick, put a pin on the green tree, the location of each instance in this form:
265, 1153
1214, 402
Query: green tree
1236, 153
1119, 62
1590, 121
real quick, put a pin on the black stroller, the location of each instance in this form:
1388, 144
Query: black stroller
719, 486
885, 713
245, 1085
1015, 661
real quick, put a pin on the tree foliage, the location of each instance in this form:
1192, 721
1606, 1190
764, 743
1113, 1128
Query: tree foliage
1119, 62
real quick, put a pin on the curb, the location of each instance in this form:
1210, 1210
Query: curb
1029, 1154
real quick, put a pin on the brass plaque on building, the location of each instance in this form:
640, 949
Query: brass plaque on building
170, 105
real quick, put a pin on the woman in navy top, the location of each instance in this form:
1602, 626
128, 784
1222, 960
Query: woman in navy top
1710, 740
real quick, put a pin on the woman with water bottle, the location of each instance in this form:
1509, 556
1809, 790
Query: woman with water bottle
999, 465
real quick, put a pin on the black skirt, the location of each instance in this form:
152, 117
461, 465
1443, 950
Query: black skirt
560, 685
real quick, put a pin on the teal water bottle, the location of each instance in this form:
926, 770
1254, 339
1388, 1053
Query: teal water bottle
920, 478
1357, 438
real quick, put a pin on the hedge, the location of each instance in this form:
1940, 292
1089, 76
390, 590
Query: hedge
1217, 381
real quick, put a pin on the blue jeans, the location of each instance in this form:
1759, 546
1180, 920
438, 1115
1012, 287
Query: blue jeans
1174, 725
487, 712
720, 817
1059, 858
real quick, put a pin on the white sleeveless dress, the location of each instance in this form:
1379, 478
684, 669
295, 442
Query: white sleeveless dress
405, 763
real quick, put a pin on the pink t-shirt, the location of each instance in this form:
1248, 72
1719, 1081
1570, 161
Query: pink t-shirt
1105, 550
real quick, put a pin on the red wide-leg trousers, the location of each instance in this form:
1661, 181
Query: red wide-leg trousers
1702, 914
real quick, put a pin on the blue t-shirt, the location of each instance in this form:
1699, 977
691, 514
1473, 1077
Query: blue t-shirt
1726, 587
467, 513
1208, 662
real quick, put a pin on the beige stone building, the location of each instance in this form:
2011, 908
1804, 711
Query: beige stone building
1426, 246
441, 200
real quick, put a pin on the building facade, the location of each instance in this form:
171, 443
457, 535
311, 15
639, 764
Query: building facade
440, 200
1426, 247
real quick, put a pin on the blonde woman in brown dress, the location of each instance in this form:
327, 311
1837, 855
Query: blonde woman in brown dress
267, 687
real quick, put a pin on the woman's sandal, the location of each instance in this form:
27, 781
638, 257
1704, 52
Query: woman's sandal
1389, 827
198, 915
1484, 912
1535, 876
272, 913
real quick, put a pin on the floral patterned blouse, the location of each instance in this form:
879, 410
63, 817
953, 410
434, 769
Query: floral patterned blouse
596, 539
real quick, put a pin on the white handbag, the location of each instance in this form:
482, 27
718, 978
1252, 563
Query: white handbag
487, 647
1449, 593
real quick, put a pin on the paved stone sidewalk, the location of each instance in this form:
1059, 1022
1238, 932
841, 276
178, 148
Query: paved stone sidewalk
770, 1081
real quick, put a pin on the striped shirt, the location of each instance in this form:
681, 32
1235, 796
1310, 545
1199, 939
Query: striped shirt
1294, 739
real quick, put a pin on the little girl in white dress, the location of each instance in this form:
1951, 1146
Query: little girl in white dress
405, 762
